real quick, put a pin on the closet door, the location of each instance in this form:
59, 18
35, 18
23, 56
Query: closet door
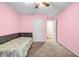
38, 30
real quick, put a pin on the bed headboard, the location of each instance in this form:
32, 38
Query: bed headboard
6, 38
25, 35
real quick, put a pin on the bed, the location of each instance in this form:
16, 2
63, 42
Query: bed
16, 48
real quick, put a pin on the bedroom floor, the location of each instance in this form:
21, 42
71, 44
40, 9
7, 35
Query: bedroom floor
49, 49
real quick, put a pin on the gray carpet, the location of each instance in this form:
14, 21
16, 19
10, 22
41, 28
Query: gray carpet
49, 49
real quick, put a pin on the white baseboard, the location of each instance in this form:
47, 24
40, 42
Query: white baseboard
69, 49
39, 41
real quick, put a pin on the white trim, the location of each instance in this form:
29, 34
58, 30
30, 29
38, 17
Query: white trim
39, 41
69, 49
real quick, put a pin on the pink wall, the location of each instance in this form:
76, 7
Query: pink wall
68, 28
12, 22
67, 31
26, 23
8, 20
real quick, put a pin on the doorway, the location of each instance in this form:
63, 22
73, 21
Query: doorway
51, 29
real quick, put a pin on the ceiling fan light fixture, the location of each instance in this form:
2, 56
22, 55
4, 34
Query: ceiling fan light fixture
42, 4
45, 3
37, 5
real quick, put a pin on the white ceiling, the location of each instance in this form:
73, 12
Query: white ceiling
29, 8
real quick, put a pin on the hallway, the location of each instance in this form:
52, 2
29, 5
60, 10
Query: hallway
49, 49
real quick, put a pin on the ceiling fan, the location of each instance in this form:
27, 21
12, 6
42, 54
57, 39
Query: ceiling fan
43, 3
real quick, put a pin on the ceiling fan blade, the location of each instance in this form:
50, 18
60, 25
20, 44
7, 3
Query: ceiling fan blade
45, 3
37, 5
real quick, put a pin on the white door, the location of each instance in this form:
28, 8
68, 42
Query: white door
37, 30
55, 28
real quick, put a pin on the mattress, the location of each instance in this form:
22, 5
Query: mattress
16, 48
